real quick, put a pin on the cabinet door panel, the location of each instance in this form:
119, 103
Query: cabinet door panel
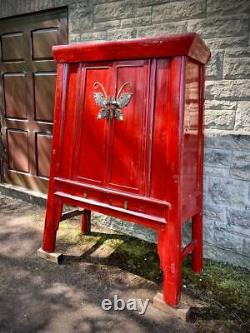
91, 141
127, 148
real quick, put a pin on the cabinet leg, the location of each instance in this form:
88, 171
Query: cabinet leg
197, 255
169, 252
86, 222
52, 219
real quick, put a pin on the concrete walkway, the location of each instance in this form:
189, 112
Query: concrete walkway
38, 296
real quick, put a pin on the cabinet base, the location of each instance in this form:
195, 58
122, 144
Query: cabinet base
55, 257
182, 311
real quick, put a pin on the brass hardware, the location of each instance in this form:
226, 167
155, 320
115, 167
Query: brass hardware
111, 106
125, 205
85, 194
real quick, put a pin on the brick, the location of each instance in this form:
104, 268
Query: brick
218, 157
226, 42
223, 7
220, 119
115, 10
228, 89
243, 116
229, 241
220, 105
121, 34
239, 217
178, 10
164, 28
227, 192
219, 27
237, 64
240, 167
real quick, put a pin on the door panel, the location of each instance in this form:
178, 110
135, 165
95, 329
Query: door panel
13, 47
43, 146
18, 150
92, 131
27, 85
127, 143
42, 42
15, 95
44, 86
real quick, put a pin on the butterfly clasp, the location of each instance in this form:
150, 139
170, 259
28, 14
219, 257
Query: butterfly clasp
111, 106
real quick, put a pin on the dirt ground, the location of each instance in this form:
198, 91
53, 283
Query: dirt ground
39, 296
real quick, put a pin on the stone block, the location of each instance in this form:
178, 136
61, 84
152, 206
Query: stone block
229, 192
223, 255
226, 42
214, 69
220, 119
229, 241
114, 10
98, 35
242, 121
239, 217
143, 11
164, 28
228, 90
224, 7
208, 231
237, 64
121, 34
220, 105
212, 170
240, 167
106, 25
74, 38
246, 247
178, 10
143, 20
227, 141
214, 212
151, 2
218, 157
219, 27
80, 16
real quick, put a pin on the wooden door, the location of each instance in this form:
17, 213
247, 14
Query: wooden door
27, 85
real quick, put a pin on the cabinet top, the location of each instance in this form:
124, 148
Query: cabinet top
186, 44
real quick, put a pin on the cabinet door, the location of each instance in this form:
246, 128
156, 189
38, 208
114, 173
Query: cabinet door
90, 157
127, 136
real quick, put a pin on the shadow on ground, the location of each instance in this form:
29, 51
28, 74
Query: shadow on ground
39, 296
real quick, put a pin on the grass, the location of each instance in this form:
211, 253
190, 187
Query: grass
225, 288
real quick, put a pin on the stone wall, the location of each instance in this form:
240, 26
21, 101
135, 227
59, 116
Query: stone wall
225, 26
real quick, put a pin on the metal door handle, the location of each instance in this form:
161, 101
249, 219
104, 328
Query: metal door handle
111, 106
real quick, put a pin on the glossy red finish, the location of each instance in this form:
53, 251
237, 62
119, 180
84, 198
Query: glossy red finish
146, 168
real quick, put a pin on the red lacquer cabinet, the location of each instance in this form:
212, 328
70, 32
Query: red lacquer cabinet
128, 141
